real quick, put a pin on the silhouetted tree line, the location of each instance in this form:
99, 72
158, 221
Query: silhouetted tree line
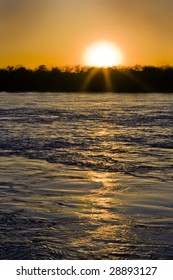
92, 79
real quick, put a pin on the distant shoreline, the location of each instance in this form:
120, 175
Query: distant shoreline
89, 79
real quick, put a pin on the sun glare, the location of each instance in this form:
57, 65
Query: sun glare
102, 54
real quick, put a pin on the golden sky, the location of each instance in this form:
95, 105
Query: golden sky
58, 32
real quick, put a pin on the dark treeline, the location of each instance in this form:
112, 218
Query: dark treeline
115, 79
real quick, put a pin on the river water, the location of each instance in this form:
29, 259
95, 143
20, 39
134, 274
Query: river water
86, 176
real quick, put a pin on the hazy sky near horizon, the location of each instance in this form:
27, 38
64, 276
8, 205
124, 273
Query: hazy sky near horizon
57, 32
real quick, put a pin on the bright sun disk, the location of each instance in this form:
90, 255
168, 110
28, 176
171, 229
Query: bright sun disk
102, 54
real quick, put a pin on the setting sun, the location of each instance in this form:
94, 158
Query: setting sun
102, 54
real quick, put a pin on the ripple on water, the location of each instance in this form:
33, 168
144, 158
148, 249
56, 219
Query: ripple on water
71, 213
86, 176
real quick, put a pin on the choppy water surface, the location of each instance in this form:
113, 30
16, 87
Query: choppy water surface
86, 176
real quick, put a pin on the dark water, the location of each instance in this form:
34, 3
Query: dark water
86, 176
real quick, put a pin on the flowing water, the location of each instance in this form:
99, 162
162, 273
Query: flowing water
86, 176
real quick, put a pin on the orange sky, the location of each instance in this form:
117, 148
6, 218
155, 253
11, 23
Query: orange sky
57, 33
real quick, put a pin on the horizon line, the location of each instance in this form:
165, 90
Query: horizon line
85, 67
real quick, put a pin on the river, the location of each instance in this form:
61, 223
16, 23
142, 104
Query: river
86, 176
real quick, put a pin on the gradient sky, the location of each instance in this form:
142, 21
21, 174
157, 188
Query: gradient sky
57, 32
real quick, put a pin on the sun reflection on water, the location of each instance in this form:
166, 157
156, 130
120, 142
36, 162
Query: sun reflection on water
102, 201
106, 228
